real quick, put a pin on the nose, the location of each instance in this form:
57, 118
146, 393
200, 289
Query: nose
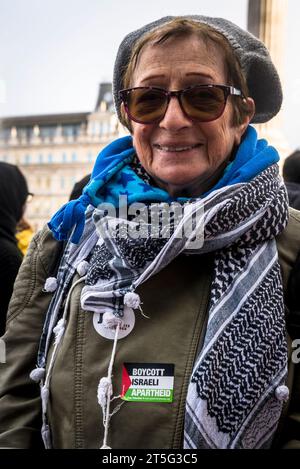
175, 118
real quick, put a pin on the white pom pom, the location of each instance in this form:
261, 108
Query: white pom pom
37, 374
82, 268
110, 320
46, 436
45, 398
282, 393
50, 284
59, 326
59, 330
104, 390
132, 300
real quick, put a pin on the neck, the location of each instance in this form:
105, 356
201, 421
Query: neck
195, 188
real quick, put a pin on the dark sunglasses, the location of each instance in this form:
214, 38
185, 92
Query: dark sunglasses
202, 103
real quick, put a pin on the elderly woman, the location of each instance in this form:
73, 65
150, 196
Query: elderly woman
144, 333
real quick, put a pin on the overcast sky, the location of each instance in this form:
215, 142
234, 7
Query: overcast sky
54, 53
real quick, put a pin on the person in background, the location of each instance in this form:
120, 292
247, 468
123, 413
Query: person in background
24, 234
13, 197
291, 176
78, 187
159, 331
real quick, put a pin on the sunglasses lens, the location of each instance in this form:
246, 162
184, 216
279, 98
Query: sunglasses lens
203, 104
146, 105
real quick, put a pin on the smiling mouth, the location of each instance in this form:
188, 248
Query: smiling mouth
175, 149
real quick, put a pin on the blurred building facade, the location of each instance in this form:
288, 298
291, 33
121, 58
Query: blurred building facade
55, 151
267, 21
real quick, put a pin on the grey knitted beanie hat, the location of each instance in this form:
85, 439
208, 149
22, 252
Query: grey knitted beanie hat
261, 75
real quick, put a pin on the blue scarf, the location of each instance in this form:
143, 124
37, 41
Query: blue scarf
113, 176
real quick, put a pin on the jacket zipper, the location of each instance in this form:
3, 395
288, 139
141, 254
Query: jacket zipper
196, 346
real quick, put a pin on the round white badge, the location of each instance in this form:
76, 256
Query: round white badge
108, 332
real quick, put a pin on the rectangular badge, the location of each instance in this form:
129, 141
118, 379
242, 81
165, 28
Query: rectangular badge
147, 382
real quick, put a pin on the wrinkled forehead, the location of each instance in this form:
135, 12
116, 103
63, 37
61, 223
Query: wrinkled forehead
190, 53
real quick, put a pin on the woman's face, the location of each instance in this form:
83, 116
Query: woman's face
185, 158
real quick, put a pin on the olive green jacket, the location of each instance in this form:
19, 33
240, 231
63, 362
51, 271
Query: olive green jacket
167, 337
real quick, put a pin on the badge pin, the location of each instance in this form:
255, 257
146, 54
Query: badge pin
108, 332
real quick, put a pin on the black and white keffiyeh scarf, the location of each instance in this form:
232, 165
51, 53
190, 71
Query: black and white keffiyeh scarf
234, 396
236, 390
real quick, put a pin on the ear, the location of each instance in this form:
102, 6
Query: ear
241, 128
123, 112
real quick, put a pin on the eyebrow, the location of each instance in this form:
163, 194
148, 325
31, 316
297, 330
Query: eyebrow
199, 74
189, 74
151, 77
